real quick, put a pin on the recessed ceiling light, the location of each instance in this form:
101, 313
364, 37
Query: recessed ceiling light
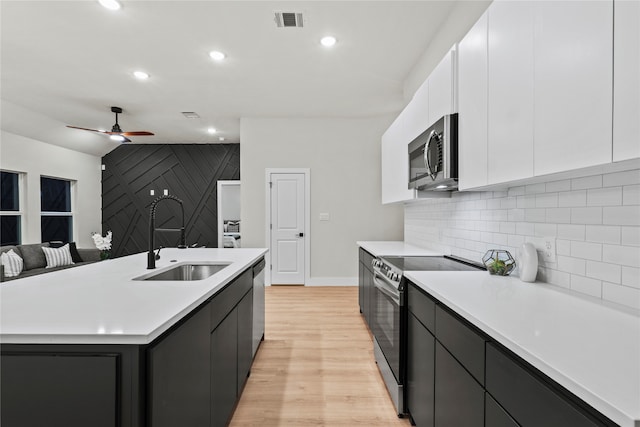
110, 4
211, 130
118, 138
221, 138
140, 75
328, 41
217, 55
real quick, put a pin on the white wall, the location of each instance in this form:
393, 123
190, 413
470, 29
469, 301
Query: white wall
343, 156
36, 158
595, 220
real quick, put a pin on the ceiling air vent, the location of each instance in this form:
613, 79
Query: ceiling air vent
289, 19
190, 115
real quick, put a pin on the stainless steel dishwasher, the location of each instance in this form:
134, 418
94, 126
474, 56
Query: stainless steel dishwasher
258, 305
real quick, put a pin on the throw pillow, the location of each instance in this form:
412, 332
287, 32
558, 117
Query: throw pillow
75, 255
33, 256
12, 263
57, 257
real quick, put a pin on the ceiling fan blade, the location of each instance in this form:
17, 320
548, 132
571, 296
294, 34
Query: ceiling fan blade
137, 133
90, 130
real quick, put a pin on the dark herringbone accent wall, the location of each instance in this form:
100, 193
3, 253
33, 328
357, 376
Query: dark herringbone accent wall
189, 171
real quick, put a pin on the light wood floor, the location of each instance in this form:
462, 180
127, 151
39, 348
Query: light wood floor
316, 365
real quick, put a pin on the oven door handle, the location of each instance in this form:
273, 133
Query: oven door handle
382, 287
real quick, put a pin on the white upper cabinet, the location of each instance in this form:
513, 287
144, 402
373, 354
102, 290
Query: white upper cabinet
472, 106
416, 113
510, 92
442, 88
395, 164
573, 68
626, 88
535, 90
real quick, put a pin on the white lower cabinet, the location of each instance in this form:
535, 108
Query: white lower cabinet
540, 99
626, 77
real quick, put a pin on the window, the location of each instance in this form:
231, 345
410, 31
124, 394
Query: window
10, 214
55, 206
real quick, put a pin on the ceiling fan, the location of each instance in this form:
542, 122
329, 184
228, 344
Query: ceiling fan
116, 133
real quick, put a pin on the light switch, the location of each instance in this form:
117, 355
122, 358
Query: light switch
152, 192
104, 167
324, 217
166, 192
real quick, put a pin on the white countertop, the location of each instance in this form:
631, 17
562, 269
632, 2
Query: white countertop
99, 303
395, 248
589, 347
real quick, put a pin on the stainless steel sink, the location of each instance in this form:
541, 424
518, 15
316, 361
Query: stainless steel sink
186, 272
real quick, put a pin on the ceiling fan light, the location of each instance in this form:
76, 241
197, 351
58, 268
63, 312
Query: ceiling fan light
118, 138
110, 4
211, 130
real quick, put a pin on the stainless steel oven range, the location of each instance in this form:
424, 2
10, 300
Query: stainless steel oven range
389, 313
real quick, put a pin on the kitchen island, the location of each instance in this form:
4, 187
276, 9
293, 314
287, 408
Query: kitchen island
96, 346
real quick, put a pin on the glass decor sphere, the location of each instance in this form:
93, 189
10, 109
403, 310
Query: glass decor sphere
499, 262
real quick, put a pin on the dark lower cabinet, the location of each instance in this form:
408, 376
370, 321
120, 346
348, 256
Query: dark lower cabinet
179, 367
38, 390
459, 398
224, 369
365, 284
495, 415
530, 399
420, 372
245, 338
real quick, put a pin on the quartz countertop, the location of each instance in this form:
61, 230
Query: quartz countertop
395, 248
100, 303
590, 347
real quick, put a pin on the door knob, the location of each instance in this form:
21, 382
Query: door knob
300, 234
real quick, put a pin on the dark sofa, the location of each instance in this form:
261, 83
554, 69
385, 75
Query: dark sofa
35, 261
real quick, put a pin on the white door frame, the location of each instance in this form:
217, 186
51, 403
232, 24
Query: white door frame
307, 219
220, 203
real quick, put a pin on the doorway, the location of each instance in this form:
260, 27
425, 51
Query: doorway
229, 231
287, 225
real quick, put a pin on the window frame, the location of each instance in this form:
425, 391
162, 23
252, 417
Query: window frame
72, 203
20, 213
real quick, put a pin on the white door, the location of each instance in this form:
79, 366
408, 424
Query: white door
287, 228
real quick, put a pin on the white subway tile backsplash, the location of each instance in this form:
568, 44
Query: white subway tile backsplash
559, 215
604, 271
548, 200
631, 195
622, 178
586, 285
595, 220
630, 236
621, 215
631, 276
603, 234
623, 255
624, 295
608, 196
571, 199
571, 232
586, 250
592, 215
555, 186
586, 182
572, 265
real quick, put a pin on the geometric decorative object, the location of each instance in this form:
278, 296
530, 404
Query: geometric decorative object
499, 262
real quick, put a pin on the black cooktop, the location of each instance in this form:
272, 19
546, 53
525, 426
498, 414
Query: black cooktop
432, 263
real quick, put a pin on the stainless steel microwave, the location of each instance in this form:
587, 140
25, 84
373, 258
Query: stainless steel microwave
433, 157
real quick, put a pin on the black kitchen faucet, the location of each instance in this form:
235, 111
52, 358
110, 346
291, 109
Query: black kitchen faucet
151, 257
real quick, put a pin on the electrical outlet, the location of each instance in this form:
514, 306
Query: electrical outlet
549, 249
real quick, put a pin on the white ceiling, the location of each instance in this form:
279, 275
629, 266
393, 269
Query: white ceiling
68, 62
